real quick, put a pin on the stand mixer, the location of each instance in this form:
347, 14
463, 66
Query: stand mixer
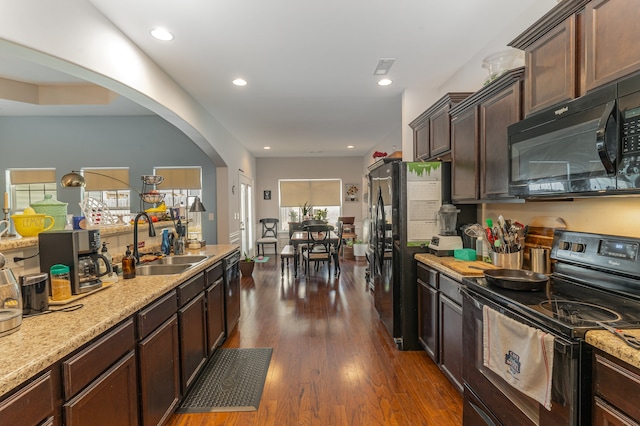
447, 239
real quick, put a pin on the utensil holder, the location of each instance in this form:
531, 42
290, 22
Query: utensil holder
507, 260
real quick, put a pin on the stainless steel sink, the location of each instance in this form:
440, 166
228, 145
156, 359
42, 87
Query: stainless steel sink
159, 269
180, 260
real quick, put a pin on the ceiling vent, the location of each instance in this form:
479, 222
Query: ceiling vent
384, 65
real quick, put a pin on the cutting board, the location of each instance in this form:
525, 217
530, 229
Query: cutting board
467, 267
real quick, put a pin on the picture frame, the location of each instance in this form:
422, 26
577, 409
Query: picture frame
352, 192
267, 194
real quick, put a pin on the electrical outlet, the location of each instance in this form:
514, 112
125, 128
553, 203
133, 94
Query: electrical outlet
210, 216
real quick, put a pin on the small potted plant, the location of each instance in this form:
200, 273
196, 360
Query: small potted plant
293, 215
321, 215
247, 264
359, 248
306, 211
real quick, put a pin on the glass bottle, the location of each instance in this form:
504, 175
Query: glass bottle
128, 265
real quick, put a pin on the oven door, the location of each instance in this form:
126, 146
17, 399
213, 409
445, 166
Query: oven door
489, 398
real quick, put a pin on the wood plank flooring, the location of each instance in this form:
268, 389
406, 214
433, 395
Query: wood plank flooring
333, 361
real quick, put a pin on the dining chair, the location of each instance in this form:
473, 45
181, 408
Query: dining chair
269, 235
318, 246
335, 248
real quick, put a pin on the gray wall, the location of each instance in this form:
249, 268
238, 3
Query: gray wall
70, 143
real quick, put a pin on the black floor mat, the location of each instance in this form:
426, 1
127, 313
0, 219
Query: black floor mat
232, 380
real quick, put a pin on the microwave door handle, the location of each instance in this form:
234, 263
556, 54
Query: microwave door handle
601, 139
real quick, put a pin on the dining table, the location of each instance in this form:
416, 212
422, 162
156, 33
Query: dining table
300, 238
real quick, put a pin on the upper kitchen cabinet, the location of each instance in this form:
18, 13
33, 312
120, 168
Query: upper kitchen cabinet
577, 46
480, 153
611, 40
432, 128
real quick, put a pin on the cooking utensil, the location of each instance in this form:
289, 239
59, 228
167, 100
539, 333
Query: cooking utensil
627, 338
516, 279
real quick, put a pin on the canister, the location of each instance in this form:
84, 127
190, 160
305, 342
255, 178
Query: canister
540, 260
35, 293
56, 209
60, 282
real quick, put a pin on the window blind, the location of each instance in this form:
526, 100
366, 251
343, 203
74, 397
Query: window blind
180, 177
295, 193
27, 176
106, 179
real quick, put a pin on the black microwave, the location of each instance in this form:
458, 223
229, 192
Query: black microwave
584, 147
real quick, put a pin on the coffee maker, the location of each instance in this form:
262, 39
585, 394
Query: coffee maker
79, 250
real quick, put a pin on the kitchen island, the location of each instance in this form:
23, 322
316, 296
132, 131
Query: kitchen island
44, 342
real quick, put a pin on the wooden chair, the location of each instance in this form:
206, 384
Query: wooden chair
318, 246
335, 249
269, 235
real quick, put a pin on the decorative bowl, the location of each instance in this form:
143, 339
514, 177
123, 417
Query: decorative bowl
152, 197
30, 225
152, 179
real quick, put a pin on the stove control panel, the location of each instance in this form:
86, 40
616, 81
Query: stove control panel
615, 253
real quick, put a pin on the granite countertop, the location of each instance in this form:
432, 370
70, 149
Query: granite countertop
45, 339
600, 339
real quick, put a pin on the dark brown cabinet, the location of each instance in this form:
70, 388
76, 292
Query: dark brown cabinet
31, 405
428, 311
613, 383
158, 358
193, 339
100, 382
432, 128
450, 308
214, 294
479, 138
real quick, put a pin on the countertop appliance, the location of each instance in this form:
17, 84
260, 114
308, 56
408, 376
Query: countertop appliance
77, 249
404, 200
447, 240
10, 301
595, 278
35, 293
586, 146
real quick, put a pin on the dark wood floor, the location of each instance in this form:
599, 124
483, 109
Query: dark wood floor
333, 361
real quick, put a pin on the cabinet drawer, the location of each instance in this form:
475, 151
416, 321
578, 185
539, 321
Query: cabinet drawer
427, 275
615, 383
214, 273
88, 364
151, 317
190, 289
451, 288
31, 405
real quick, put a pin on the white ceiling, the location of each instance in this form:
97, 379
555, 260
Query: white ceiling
309, 63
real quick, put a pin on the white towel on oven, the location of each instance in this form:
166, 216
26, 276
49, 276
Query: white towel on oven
521, 355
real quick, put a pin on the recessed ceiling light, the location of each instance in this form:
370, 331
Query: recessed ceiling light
350, 146
240, 82
161, 34
384, 82
267, 147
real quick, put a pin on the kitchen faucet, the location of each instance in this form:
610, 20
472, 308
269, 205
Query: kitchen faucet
152, 233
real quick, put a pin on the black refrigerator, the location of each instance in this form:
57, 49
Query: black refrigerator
404, 198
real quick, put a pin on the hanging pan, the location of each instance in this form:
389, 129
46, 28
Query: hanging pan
516, 279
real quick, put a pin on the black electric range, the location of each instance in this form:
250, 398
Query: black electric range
596, 278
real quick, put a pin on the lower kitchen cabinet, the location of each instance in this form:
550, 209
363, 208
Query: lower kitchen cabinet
32, 405
214, 294
451, 340
192, 329
614, 385
158, 360
428, 311
100, 382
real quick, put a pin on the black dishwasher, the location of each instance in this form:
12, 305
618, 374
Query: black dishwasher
231, 265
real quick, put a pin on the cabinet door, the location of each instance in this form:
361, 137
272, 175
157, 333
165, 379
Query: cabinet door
215, 315
112, 399
551, 71
611, 45
421, 141
31, 405
428, 319
451, 341
496, 114
464, 169
193, 339
606, 415
159, 373
440, 132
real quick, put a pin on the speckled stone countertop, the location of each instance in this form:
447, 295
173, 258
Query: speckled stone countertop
45, 339
613, 345
600, 339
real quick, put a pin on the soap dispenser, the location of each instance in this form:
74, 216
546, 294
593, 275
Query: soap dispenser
166, 245
128, 265
107, 256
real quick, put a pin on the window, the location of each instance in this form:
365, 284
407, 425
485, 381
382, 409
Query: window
318, 193
109, 186
181, 185
29, 185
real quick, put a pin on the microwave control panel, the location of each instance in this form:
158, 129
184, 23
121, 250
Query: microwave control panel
631, 131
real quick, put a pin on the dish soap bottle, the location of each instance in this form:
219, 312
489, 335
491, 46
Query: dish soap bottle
128, 265
107, 256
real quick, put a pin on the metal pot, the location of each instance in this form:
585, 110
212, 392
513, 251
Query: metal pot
516, 279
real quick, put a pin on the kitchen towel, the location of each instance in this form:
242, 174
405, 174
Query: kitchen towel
521, 355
